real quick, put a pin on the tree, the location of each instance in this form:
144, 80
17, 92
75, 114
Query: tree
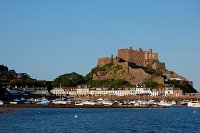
3, 68
68, 80
151, 84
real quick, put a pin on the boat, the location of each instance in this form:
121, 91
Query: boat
88, 103
78, 103
100, 101
184, 103
59, 102
164, 103
1, 102
43, 102
13, 102
193, 104
107, 102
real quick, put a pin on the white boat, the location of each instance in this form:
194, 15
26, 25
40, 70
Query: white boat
164, 103
193, 104
107, 102
1, 102
131, 102
100, 101
88, 103
184, 102
13, 102
59, 102
78, 103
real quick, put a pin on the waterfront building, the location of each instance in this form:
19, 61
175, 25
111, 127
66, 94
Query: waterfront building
154, 92
71, 91
14, 90
168, 91
177, 92
126, 92
82, 90
58, 91
132, 92
147, 91
118, 92
141, 90
41, 91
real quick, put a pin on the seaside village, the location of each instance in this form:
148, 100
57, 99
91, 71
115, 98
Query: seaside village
70, 96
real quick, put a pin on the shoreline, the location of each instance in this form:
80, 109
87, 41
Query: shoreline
73, 106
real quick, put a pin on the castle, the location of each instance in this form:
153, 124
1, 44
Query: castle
132, 63
134, 58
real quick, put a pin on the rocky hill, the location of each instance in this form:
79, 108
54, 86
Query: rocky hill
137, 67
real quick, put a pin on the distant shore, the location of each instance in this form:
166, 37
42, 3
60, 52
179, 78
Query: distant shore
71, 106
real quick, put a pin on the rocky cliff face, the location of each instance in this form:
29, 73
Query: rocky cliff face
133, 75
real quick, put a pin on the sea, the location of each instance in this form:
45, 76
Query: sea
101, 120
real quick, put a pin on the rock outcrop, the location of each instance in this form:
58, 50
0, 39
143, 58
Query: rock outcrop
135, 66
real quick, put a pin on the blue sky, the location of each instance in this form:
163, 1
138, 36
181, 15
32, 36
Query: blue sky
48, 38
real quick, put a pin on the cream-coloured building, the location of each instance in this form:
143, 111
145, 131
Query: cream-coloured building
71, 91
82, 91
58, 91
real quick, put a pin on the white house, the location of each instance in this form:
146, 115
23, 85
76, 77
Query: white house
58, 91
118, 92
168, 91
154, 92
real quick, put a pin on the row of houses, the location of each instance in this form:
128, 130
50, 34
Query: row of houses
88, 91
27, 90
138, 90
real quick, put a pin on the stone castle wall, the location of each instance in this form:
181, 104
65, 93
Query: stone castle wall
139, 57
104, 61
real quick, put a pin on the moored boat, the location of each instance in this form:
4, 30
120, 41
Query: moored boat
88, 102
164, 103
59, 102
193, 104
43, 102
1, 102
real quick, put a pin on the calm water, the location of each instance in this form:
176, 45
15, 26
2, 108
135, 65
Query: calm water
178, 120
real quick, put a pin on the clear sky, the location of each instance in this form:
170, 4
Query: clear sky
47, 38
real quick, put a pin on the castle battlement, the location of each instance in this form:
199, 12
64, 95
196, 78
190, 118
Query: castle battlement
140, 57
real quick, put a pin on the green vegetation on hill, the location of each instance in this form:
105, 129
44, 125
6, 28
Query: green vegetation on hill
29, 83
152, 84
184, 87
118, 67
89, 76
10, 77
68, 80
